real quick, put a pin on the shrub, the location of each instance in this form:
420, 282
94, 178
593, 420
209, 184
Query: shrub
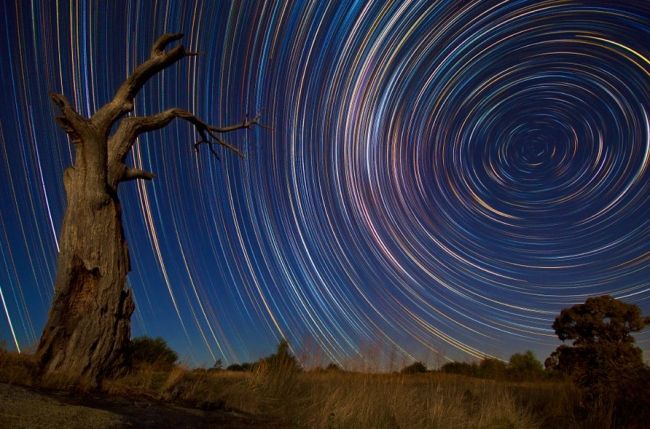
333, 367
152, 351
235, 367
17, 367
218, 365
463, 368
414, 368
281, 360
525, 366
492, 368
242, 367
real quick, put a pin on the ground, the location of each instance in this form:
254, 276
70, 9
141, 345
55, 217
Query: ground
22, 407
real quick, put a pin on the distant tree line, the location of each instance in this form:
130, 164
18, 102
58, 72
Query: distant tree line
282, 360
520, 367
602, 361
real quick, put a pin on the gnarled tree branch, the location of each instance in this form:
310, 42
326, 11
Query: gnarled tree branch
158, 60
130, 128
121, 142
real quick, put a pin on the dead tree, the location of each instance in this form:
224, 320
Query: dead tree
88, 325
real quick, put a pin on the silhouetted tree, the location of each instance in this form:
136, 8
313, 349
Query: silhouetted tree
492, 368
218, 365
525, 366
88, 327
603, 360
281, 360
414, 368
153, 351
522, 366
463, 368
235, 367
333, 367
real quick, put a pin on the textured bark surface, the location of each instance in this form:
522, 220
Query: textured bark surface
88, 326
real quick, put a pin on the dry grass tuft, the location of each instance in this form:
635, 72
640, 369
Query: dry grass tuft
17, 368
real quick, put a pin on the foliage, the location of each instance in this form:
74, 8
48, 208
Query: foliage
462, 368
153, 351
235, 367
525, 366
218, 366
414, 368
521, 367
599, 320
600, 331
282, 359
242, 367
333, 367
492, 368
486, 368
602, 360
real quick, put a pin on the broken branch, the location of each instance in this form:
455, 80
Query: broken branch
70, 121
136, 173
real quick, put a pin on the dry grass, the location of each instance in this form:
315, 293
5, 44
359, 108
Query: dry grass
417, 401
17, 368
337, 399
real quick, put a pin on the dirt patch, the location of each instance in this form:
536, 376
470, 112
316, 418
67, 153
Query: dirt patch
22, 407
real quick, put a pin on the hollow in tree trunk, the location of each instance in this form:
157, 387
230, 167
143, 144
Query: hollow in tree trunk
88, 326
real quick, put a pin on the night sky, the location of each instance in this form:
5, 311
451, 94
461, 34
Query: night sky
439, 178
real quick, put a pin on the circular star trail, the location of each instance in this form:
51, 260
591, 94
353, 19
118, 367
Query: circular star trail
434, 178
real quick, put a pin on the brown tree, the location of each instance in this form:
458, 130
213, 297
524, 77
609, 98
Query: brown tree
88, 327
603, 345
603, 360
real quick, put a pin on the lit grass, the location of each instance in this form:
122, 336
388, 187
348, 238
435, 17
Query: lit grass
339, 399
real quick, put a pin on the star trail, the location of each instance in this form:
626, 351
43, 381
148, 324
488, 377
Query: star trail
437, 179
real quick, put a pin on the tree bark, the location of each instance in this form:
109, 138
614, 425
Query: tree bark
88, 326
89, 322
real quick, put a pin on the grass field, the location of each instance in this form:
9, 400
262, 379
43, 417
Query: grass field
340, 399
337, 399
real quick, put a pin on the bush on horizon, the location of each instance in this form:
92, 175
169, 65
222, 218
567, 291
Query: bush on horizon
414, 368
151, 351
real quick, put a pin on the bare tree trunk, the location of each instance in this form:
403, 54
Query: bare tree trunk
88, 327
89, 322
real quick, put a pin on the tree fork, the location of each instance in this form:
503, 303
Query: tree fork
88, 325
